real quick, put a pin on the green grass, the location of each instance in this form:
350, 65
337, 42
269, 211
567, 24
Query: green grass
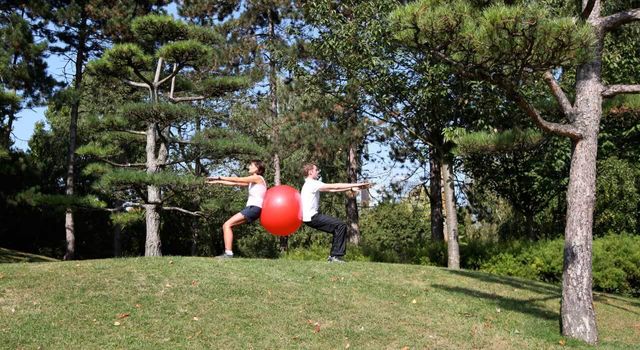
204, 303
14, 256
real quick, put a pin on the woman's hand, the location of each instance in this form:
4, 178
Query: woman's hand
212, 179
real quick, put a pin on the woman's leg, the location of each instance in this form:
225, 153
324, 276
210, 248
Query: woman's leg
227, 232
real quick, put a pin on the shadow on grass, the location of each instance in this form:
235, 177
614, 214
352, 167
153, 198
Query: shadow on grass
606, 298
525, 306
532, 286
14, 256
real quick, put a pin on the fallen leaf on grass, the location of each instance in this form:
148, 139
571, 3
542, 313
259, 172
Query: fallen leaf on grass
316, 325
347, 346
195, 318
123, 315
170, 262
413, 301
562, 342
405, 348
138, 306
116, 323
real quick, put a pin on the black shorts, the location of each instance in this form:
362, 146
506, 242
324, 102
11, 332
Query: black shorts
251, 213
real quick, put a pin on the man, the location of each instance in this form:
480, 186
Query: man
310, 197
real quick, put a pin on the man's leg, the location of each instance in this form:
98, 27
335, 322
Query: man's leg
334, 226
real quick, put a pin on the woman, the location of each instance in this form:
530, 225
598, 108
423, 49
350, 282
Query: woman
257, 189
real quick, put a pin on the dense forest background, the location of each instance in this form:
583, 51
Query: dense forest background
161, 94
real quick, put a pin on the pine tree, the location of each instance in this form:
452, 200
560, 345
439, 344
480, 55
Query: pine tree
511, 45
24, 81
172, 62
82, 28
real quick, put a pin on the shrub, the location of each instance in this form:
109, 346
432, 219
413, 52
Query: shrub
616, 263
617, 197
318, 251
394, 232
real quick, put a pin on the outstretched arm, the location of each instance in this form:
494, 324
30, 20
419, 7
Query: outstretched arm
234, 180
343, 187
215, 181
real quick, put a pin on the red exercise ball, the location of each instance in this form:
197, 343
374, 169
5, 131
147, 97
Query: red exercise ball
281, 211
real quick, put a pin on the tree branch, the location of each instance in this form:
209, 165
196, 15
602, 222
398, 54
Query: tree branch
586, 11
566, 130
136, 84
618, 19
613, 90
121, 165
192, 213
145, 80
189, 98
560, 96
170, 76
136, 132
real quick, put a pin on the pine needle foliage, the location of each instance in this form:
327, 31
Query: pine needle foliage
503, 41
468, 143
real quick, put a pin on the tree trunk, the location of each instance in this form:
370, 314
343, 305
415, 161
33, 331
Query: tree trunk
453, 249
5, 143
69, 224
531, 229
578, 317
152, 245
154, 199
273, 91
353, 229
435, 197
117, 240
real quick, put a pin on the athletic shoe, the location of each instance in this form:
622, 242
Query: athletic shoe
225, 256
335, 259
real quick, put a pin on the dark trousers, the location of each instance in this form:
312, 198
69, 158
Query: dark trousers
334, 226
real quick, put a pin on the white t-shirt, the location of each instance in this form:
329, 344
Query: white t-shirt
310, 197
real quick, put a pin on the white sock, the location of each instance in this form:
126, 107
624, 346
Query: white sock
228, 252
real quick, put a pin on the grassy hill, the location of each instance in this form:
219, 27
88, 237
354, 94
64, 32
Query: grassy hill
14, 256
204, 303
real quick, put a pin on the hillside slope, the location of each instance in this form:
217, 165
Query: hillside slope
204, 303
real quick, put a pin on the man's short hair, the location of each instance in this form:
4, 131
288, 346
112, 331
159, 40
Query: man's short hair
307, 168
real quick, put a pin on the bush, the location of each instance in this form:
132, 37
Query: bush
258, 244
616, 263
319, 252
394, 232
540, 261
617, 197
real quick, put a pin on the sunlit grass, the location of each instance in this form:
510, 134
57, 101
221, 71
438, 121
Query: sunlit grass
204, 303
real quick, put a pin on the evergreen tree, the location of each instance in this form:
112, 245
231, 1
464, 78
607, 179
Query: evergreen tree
510, 45
24, 81
262, 32
172, 62
82, 29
